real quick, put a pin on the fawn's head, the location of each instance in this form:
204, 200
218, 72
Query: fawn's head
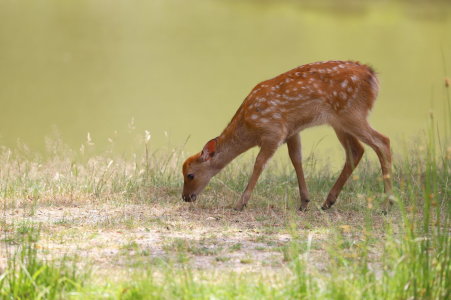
197, 171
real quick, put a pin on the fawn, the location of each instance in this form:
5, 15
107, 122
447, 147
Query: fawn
337, 93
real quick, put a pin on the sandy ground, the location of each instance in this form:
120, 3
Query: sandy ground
113, 239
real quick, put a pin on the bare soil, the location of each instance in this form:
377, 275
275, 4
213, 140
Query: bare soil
113, 239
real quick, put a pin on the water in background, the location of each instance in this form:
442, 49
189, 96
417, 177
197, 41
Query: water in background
180, 68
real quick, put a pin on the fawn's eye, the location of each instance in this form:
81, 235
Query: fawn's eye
190, 176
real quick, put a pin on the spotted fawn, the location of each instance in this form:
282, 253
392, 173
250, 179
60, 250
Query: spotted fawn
337, 93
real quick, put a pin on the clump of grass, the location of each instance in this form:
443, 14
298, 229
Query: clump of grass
222, 258
235, 247
183, 246
29, 276
19, 233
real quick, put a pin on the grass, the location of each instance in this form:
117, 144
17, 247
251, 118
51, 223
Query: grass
86, 226
28, 276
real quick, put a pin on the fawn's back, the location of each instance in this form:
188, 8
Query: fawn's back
312, 94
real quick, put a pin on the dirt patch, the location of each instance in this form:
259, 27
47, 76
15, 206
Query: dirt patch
112, 239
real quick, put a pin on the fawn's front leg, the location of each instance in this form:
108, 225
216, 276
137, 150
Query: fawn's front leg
266, 152
294, 150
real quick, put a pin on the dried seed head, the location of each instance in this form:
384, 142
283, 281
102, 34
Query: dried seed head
147, 136
89, 141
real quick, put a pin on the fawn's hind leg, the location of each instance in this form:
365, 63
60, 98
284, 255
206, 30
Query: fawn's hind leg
381, 145
354, 152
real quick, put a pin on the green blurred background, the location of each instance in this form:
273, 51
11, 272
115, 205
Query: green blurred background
181, 68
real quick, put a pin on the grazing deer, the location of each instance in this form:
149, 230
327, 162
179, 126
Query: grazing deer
338, 93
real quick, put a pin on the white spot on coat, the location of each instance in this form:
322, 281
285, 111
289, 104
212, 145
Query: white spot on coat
344, 83
266, 111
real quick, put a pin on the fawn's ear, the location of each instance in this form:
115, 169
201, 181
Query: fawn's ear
208, 151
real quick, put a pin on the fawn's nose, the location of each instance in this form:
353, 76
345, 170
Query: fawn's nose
189, 198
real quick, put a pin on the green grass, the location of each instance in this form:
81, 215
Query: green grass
28, 276
349, 252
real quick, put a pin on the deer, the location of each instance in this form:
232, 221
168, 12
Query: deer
336, 93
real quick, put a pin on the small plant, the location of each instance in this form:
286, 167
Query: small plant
246, 260
130, 246
222, 258
236, 247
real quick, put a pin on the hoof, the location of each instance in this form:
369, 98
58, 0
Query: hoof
386, 209
387, 205
239, 207
304, 205
326, 206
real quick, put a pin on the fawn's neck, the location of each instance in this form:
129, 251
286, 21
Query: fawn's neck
234, 140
